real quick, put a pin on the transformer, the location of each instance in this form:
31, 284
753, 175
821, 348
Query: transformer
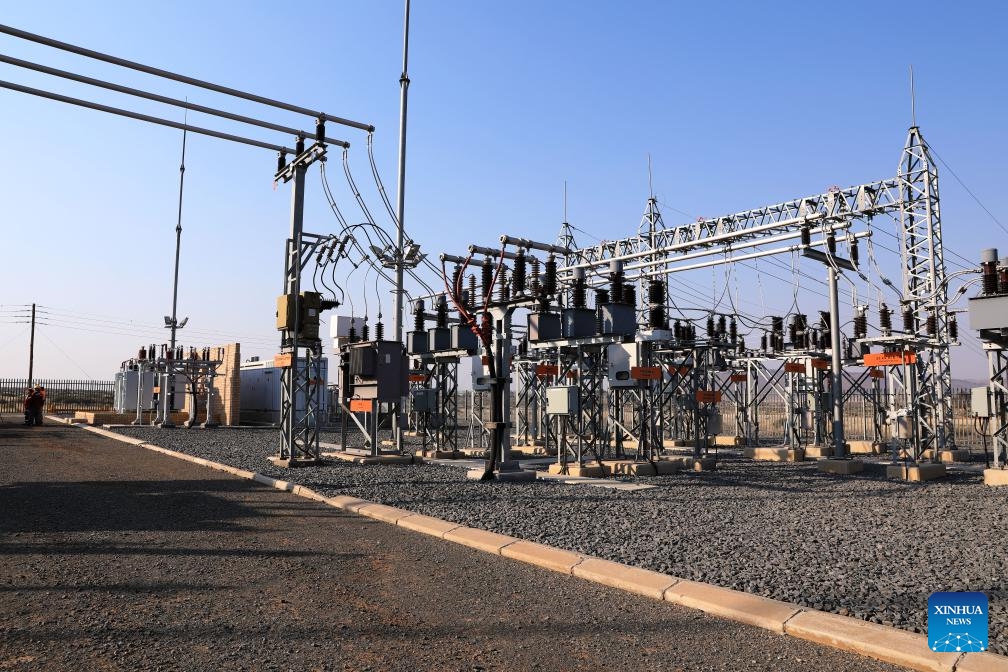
578, 323
618, 319
375, 370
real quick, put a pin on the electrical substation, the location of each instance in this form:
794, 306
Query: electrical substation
524, 367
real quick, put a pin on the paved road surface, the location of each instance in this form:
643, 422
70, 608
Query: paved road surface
117, 558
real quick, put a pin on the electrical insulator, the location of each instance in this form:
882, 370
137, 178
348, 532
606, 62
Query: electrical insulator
732, 330
721, 325
849, 349
504, 291
885, 319
931, 325
801, 323
741, 345
418, 315
550, 279
860, 324
762, 342
988, 266
487, 273
831, 244
630, 295
379, 329
518, 274
534, 284
142, 354
953, 328
677, 330
365, 330
601, 297
1002, 272
320, 134
599, 322
616, 280
165, 352
710, 327
353, 331
442, 312
299, 145
908, 320
281, 161
806, 235
793, 333
656, 299
854, 252
472, 292
776, 324
579, 298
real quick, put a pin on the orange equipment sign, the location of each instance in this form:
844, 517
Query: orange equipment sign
283, 360
821, 364
738, 378
544, 370
794, 367
417, 378
645, 373
679, 370
361, 405
890, 358
708, 396
875, 373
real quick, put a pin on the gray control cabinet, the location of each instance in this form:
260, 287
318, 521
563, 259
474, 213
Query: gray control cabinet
562, 400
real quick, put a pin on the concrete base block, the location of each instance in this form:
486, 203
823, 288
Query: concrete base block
294, 463
667, 467
700, 464
731, 441
995, 477
629, 468
380, 459
503, 476
593, 470
443, 454
952, 456
684, 443
858, 447
782, 454
841, 467
915, 472
818, 451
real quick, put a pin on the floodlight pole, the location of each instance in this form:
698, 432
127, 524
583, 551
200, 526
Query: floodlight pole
166, 421
400, 260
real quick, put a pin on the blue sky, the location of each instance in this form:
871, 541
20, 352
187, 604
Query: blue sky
738, 104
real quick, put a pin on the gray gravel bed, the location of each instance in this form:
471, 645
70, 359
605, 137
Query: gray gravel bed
864, 547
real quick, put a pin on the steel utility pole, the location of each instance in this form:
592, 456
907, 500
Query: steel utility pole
400, 260
170, 380
31, 349
401, 182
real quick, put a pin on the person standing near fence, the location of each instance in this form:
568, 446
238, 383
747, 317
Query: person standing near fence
27, 406
36, 402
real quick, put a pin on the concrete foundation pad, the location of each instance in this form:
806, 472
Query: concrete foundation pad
357, 458
782, 454
543, 556
995, 477
730, 441
869, 639
951, 456
915, 472
293, 463
817, 451
579, 470
752, 609
629, 468
503, 476
841, 467
700, 464
444, 454
632, 579
860, 447
668, 467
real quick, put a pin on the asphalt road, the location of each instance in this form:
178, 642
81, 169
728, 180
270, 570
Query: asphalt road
116, 558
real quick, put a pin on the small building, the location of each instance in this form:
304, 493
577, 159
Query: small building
261, 393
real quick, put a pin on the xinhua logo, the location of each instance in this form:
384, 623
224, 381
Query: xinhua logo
957, 622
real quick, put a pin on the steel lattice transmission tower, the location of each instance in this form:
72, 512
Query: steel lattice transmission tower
925, 289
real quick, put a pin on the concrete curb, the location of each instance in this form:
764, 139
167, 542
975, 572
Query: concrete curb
892, 645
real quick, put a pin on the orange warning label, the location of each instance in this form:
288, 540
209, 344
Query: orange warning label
645, 373
708, 396
283, 360
361, 405
890, 358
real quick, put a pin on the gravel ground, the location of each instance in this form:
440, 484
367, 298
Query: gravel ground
113, 558
865, 547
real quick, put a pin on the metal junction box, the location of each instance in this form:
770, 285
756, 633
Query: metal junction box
463, 338
543, 327
416, 343
622, 357
989, 312
562, 400
578, 323
438, 338
980, 402
619, 319
424, 400
310, 307
377, 370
